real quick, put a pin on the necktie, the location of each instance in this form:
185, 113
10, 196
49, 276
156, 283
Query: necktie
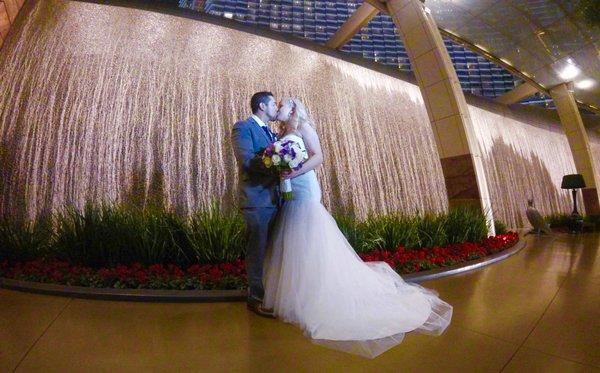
269, 133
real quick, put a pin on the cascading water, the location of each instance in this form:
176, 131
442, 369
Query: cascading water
595, 148
102, 103
524, 156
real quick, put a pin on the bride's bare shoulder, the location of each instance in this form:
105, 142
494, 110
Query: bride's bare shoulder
305, 130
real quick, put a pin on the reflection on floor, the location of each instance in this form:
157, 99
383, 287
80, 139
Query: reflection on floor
539, 310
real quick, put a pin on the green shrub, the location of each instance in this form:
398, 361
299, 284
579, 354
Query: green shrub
558, 220
217, 236
432, 230
500, 227
460, 224
107, 235
358, 234
465, 224
394, 230
593, 221
21, 240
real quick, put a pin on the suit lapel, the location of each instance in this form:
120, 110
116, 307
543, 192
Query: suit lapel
259, 129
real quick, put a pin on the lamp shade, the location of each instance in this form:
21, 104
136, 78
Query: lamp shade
574, 181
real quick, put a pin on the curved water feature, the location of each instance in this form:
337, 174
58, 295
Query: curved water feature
103, 103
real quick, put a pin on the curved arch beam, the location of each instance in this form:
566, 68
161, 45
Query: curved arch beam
517, 94
446, 106
571, 121
359, 19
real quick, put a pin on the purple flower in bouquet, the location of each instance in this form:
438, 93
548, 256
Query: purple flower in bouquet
281, 156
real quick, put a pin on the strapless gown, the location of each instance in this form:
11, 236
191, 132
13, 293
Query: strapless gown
314, 279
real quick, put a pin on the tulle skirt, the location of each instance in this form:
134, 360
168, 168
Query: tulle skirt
314, 279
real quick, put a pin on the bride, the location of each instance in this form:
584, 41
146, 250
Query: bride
314, 279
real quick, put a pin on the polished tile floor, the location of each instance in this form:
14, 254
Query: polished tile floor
537, 311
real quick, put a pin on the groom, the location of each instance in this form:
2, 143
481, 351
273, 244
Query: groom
259, 195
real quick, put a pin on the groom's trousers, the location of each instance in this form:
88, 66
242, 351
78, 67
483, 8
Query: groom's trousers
259, 222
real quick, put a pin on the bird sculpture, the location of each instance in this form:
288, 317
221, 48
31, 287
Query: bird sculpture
536, 219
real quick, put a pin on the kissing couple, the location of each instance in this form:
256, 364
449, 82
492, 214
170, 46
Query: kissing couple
301, 269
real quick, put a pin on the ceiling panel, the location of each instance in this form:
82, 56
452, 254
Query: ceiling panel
540, 37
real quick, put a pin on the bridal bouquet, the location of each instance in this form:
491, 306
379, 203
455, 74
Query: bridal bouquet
281, 156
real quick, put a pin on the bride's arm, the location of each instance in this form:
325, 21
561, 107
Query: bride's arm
313, 147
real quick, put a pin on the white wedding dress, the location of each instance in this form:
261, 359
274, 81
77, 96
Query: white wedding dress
314, 279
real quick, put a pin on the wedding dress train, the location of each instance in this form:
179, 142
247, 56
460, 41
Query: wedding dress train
314, 279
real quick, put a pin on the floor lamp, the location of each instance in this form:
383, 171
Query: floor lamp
574, 182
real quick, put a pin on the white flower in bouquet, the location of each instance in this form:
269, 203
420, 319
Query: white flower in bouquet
297, 150
283, 156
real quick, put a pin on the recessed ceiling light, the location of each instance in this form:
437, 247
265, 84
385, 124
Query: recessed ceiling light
585, 84
569, 72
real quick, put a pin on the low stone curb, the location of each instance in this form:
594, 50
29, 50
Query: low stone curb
151, 295
143, 295
436, 273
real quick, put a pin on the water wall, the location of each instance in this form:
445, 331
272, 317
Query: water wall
110, 104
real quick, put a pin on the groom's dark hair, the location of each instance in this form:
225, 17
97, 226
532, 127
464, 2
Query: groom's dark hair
259, 98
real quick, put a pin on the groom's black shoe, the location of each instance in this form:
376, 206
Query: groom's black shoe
256, 306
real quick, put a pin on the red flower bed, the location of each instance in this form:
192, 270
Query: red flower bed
407, 261
233, 275
156, 276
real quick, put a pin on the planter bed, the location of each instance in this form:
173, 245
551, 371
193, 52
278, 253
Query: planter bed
232, 276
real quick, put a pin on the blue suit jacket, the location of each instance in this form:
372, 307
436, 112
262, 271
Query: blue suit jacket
258, 186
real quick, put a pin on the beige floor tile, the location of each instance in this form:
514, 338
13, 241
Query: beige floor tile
506, 299
225, 337
570, 327
548, 292
23, 319
531, 361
